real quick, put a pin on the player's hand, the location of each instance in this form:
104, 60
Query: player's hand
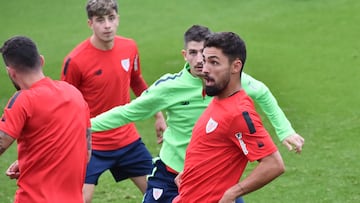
227, 198
160, 126
178, 179
89, 155
13, 170
294, 142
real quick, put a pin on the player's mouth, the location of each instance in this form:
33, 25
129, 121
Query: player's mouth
209, 81
199, 68
107, 33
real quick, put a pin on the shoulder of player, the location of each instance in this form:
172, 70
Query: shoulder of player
169, 80
240, 102
125, 40
17, 97
79, 49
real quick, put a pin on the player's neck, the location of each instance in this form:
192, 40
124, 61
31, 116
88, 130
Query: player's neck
29, 79
101, 44
231, 89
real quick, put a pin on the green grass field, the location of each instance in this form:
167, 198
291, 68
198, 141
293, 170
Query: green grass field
307, 52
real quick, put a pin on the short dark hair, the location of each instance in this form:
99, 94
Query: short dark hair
196, 33
230, 43
21, 53
100, 7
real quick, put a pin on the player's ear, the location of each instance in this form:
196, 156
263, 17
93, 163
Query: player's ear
236, 66
42, 60
89, 22
183, 52
11, 72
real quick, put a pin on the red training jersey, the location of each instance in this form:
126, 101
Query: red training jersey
105, 78
49, 121
227, 135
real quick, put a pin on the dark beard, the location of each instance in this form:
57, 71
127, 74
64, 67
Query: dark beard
216, 89
17, 87
212, 91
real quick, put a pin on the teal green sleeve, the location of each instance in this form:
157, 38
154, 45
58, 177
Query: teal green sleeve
261, 94
147, 104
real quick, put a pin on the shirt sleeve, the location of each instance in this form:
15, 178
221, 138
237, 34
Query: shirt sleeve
251, 136
137, 82
70, 72
150, 102
261, 94
15, 115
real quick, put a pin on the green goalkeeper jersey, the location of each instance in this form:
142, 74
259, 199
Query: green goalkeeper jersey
182, 97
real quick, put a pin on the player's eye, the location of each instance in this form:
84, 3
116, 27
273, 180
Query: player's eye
99, 20
112, 17
192, 52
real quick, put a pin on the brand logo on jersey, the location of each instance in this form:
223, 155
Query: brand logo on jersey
157, 192
260, 144
98, 72
125, 63
185, 103
242, 143
211, 125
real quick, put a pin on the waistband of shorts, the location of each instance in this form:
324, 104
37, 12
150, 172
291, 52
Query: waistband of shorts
168, 168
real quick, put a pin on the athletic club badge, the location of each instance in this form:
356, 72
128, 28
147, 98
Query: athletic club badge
125, 63
157, 192
211, 125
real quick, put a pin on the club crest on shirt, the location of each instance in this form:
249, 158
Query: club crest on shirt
125, 63
157, 192
211, 125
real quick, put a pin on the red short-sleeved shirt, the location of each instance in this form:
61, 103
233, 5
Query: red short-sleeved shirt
227, 135
105, 78
49, 121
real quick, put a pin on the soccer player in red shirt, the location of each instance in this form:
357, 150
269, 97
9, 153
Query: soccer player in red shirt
228, 134
104, 68
50, 121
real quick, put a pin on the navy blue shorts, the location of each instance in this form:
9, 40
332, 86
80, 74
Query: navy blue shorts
161, 184
131, 161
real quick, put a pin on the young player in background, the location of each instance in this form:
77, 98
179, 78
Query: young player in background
104, 68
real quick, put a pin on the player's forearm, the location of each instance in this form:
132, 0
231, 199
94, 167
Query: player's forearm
5, 141
261, 94
108, 120
121, 115
138, 85
267, 170
88, 139
276, 116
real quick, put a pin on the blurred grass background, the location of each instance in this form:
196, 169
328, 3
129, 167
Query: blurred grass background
306, 52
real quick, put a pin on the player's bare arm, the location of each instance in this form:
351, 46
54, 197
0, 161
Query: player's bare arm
268, 169
160, 126
178, 179
88, 140
5, 141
